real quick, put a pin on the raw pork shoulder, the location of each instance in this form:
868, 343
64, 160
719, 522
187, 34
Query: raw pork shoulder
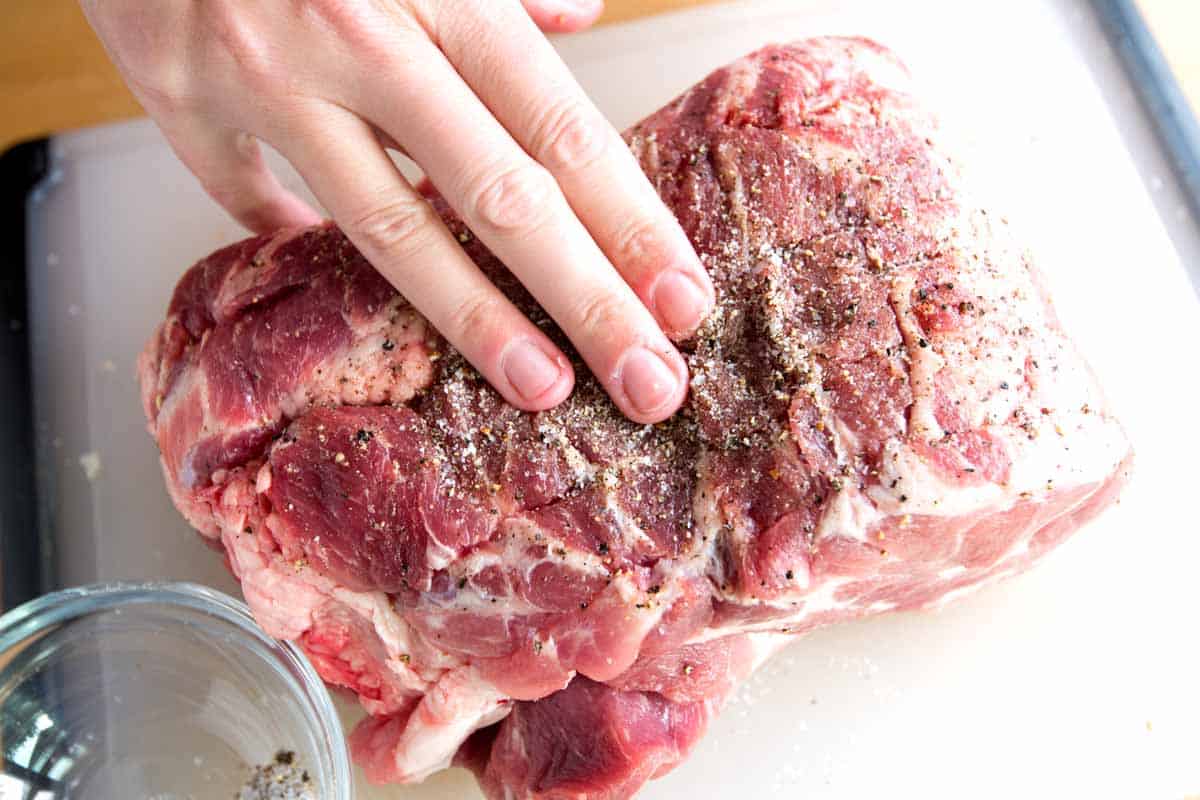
884, 413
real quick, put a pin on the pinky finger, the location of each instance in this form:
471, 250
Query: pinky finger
231, 168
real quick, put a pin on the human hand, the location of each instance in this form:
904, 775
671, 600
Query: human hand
472, 91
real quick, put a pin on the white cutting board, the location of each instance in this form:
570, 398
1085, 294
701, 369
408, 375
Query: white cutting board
1081, 679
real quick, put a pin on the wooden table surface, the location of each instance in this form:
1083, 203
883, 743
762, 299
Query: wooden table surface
54, 75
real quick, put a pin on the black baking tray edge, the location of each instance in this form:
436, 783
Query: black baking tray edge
22, 566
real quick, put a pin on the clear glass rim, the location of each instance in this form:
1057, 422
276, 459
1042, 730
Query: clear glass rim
38, 615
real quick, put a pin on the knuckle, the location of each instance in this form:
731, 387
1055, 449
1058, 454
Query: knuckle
513, 200
601, 313
569, 137
476, 313
639, 249
399, 227
246, 152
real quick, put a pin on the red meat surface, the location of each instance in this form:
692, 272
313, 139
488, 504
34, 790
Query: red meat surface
883, 414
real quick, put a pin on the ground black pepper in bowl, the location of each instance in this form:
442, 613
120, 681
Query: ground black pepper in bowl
279, 779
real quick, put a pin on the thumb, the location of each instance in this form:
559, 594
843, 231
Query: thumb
563, 16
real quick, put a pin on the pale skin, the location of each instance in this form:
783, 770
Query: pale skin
472, 92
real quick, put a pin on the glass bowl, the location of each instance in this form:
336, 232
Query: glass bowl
159, 691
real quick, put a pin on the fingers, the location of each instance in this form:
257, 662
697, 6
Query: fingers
514, 205
402, 236
563, 16
553, 120
232, 170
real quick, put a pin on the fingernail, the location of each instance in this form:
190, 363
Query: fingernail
530, 371
680, 303
648, 381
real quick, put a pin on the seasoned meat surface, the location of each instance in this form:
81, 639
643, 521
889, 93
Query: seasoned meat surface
884, 413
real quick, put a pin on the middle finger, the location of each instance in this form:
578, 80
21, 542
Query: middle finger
550, 115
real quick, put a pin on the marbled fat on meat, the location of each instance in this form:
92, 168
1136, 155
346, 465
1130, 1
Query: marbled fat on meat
884, 413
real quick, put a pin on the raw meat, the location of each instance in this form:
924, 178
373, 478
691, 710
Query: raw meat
884, 414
